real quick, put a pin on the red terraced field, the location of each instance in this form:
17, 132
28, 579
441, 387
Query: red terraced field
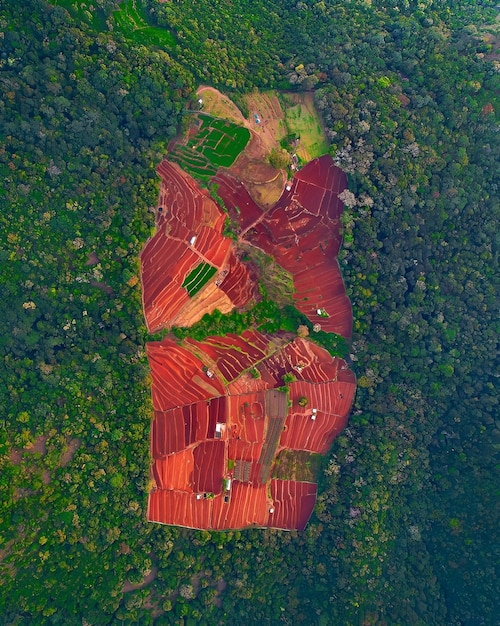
303, 234
220, 446
189, 228
247, 416
208, 461
168, 432
217, 430
248, 506
232, 355
178, 377
175, 471
179, 508
293, 503
173, 430
238, 285
234, 194
243, 450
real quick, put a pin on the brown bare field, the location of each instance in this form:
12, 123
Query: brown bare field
217, 104
208, 299
267, 194
263, 182
272, 126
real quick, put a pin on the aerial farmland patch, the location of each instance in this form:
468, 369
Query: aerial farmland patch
245, 398
211, 144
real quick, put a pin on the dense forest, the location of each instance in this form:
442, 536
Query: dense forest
405, 525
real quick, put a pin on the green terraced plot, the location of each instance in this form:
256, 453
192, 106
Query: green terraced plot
220, 141
194, 163
198, 278
216, 143
131, 21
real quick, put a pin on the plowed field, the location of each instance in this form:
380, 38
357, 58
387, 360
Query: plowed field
223, 413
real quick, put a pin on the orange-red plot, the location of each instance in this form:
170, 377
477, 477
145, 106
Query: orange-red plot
213, 457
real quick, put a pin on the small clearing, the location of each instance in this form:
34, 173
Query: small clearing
217, 104
38, 446
303, 120
266, 118
69, 452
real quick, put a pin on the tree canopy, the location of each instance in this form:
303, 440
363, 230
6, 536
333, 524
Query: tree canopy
403, 528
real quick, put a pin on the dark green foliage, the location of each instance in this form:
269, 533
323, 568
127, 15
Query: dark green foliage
405, 520
131, 20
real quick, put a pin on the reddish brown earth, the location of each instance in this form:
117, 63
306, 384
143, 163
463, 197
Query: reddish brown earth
303, 234
214, 422
206, 431
188, 231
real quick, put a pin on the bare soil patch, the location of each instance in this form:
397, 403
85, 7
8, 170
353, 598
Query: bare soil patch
267, 118
208, 299
263, 182
257, 172
38, 446
93, 259
221, 586
15, 456
69, 453
267, 194
103, 287
217, 104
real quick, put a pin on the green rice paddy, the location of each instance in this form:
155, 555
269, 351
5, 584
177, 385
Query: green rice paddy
216, 143
198, 278
129, 19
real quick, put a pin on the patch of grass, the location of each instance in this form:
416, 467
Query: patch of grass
130, 19
198, 278
297, 465
276, 281
302, 121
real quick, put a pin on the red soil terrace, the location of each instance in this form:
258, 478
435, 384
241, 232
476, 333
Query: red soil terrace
188, 231
214, 443
302, 232
217, 429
